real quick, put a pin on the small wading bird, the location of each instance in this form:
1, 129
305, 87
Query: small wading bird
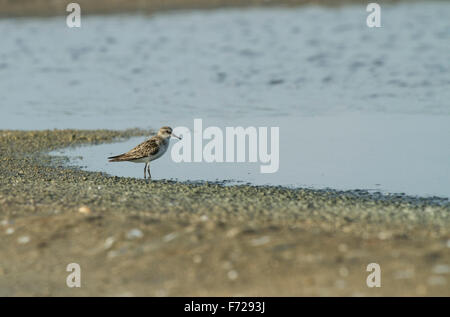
148, 150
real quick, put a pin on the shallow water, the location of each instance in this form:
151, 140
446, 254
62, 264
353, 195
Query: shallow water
357, 107
126, 71
390, 154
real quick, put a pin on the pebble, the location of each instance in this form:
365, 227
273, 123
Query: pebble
232, 275
232, 233
169, 237
9, 231
84, 210
134, 234
260, 241
109, 242
383, 235
441, 269
23, 239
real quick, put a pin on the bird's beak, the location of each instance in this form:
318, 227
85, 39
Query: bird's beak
176, 136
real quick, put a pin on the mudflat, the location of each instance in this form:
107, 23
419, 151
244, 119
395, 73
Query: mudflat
165, 238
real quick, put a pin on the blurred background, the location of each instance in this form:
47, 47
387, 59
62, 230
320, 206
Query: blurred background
55, 7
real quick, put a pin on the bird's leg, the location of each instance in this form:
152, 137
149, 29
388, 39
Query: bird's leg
145, 167
148, 168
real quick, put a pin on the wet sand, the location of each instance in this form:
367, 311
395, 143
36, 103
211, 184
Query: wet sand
178, 239
58, 7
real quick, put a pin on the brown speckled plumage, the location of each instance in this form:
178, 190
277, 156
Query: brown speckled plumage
145, 149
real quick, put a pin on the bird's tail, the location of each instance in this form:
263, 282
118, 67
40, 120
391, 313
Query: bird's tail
117, 158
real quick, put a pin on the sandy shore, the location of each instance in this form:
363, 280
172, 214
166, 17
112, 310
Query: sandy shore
172, 239
58, 7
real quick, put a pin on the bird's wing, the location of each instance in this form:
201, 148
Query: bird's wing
145, 149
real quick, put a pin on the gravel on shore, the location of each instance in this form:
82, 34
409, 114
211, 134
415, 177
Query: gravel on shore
167, 238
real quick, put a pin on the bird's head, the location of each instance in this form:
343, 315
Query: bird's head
166, 133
